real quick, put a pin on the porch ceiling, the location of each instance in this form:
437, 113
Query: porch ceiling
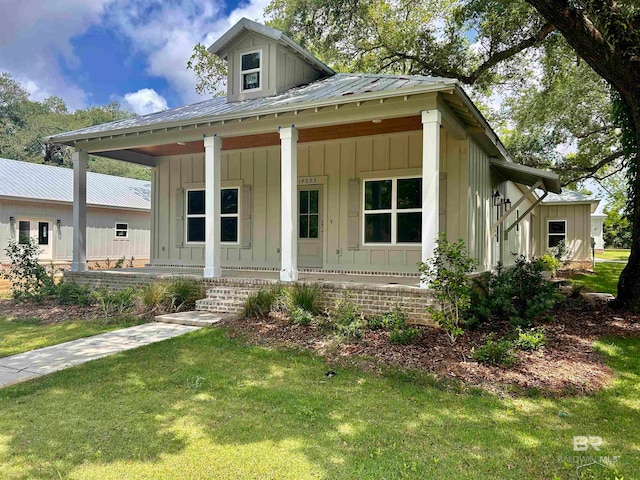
526, 175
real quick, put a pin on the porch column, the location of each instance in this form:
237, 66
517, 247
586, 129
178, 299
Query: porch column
288, 204
431, 120
79, 262
212, 153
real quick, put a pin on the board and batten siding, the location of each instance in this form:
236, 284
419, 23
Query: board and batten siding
578, 219
333, 164
479, 240
519, 241
101, 240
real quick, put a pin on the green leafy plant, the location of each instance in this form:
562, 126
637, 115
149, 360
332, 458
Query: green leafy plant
495, 352
561, 252
348, 320
29, 279
120, 262
532, 339
448, 275
183, 293
155, 298
395, 322
549, 263
306, 297
115, 303
258, 304
70, 293
301, 316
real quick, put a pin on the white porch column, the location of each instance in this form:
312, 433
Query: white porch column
212, 154
289, 192
431, 120
79, 262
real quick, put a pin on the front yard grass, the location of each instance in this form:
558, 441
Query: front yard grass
204, 406
604, 279
613, 254
22, 335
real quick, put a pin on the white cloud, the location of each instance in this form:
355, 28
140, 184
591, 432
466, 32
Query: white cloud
144, 101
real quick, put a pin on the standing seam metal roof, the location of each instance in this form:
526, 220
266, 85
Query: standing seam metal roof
33, 181
334, 87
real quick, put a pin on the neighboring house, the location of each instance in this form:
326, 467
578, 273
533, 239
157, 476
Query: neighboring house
36, 201
568, 217
597, 227
300, 168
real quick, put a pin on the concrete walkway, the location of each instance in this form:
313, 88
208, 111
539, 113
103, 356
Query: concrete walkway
28, 365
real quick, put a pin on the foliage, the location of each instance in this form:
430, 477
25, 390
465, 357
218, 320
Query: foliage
155, 297
210, 69
29, 279
448, 275
115, 303
301, 316
495, 352
71, 293
532, 339
395, 322
307, 297
183, 293
404, 336
107, 263
617, 230
258, 304
348, 321
561, 252
549, 263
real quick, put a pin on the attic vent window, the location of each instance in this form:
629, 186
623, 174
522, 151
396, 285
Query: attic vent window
251, 69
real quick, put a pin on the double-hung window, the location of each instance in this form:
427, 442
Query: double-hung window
251, 70
556, 232
392, 211
229, 210
122, 230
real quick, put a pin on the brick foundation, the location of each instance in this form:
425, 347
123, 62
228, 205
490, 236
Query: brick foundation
226, 295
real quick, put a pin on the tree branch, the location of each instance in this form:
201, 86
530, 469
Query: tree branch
589, 171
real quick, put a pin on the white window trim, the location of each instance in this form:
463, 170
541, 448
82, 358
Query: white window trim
556, 234
251, 70
187, 216
393, 211
116, 230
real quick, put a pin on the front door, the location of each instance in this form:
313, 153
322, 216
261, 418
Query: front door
310, 226
40, 231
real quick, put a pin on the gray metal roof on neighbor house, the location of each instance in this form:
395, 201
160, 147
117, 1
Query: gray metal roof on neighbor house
570, 196
339, 86
31, 181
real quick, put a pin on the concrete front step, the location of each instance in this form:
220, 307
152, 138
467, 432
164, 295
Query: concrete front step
194, 319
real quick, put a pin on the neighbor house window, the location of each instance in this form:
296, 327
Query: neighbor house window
122, 230
251, 70
392, 211
228, 215
556, 232
24, 232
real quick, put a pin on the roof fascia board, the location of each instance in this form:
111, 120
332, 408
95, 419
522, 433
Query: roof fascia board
66, 203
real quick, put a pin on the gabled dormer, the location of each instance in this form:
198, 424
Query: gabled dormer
263, 61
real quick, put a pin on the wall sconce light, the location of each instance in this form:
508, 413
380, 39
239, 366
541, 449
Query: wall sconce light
12, 220
58, 223
496, 199
507, 204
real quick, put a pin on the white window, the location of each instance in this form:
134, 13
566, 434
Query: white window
251, 71
229, 210
556, 232
392, 211
122, 230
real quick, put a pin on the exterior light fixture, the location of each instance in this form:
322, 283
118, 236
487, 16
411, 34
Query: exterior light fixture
496, 199
58, 223
507, 204
12, 220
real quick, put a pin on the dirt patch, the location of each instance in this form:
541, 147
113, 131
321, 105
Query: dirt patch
48, 311
566, 365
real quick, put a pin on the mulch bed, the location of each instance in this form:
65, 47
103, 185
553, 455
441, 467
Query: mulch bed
566, 365
47, 311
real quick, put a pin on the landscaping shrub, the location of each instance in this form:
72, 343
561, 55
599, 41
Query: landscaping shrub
29, 280
448, 275
518, 293
301, 316
396, 323
115, 303
532, 339
183, 293
258, 304
495, 352
404, 336
348, 320
155, 298
549, 263
70, 293
306, 297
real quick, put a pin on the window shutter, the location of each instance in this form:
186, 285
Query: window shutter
245, 218
180, 217
353, 226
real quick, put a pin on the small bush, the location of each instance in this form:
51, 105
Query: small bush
258, 304
70, 293
155, 298
379, 322
549, 263
306, 297
404, 336
495, 352
183, 293
348, 321
29, 280
115, 303
533, 339
301, 316
396, 323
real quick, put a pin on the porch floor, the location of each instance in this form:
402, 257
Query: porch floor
373, 279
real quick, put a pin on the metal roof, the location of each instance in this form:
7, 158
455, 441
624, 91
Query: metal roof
32, 181
336, 87
526, 175
243, 24
570, 196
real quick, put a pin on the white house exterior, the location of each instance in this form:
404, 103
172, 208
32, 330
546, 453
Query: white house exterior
302, 169
36, 201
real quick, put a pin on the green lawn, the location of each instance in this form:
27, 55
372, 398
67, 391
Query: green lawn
202, 406
17, 336
605, 278
613, 254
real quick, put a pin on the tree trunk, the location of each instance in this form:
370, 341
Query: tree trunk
629, 283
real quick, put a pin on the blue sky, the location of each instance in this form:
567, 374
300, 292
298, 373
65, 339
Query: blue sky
92, 52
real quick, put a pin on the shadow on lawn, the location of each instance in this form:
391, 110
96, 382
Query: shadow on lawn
133, 408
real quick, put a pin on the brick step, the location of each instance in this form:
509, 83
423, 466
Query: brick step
224, 299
